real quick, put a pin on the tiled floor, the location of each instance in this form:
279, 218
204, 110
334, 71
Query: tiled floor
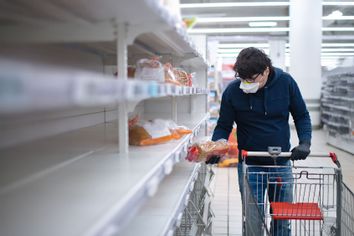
227, 199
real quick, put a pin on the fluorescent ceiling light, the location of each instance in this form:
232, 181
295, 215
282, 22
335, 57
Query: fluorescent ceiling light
338, 3
243, 45
235, 50
337, 44
207, 20
334, 46
259, 30
338, 18
336, 13
252, 4
337, 54
201, 20
347, 29
233, 4
337, 49
262, 24
236, 30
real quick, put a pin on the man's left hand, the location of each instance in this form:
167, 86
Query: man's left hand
300, 152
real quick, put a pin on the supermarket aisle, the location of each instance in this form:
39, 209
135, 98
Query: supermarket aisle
227, 199
226, 204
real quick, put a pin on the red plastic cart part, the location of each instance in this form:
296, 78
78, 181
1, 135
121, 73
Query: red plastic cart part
244, 154
296, 211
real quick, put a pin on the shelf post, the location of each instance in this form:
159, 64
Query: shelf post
122, 64
174, 109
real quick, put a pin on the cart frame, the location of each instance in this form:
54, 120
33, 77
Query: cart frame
255, 217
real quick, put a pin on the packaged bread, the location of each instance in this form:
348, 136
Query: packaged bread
202, 151
156, 131
150, 69
169, 75
177, 131
182, 77
149, 133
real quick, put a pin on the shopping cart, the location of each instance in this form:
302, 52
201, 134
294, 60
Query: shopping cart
293, 200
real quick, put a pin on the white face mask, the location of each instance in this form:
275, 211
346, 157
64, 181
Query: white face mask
249, 87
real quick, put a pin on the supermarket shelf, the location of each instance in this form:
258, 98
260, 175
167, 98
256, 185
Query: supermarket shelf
335, 124
162, 213
342, 142
39, 89
343, 108
85, 187
96, 21
329, 96
336, 115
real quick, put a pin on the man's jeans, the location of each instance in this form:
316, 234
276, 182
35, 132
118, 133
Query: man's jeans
269, 178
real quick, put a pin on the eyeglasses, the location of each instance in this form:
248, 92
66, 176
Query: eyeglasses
250, 80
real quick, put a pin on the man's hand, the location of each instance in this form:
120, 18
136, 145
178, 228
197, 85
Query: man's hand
213, 160
300, 152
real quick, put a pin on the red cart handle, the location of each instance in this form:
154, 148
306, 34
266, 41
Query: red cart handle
331, 155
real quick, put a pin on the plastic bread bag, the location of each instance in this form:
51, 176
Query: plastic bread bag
150, 69
149, 133
182, 77
177, 131
203, 150
169, 75
133, 120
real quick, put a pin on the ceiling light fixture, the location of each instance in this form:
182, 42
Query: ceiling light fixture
243, 45
336, 13
233, 4
259, 30
201, 20
208, 20
236, 30
252, 4
262, 24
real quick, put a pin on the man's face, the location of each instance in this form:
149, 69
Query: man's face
260, 78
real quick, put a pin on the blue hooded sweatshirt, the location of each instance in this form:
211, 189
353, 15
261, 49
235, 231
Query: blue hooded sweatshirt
262, 118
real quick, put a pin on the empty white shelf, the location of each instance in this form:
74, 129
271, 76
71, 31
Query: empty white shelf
78, 189
160, 214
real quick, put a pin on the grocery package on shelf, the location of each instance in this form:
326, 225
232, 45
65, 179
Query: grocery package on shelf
183, 77
169, 75
158, 131
203, 150
150, 69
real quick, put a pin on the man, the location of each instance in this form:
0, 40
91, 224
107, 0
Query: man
259, 102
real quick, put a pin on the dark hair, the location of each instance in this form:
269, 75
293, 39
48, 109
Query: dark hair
251, 61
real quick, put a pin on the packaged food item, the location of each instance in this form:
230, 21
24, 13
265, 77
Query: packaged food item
131, 71
169, 75
182, 77
177, 131
158, 131
150, 69
202, 151
133, 121
149, 133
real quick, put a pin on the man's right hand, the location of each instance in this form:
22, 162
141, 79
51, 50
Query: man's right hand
213, 160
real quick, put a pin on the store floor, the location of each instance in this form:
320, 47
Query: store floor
227, 199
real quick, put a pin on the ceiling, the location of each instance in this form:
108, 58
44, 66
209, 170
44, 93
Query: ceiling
228, 22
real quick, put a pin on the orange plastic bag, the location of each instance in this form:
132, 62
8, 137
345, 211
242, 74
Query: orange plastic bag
150, 133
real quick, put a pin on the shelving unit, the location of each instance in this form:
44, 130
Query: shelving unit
338, 109
65, 164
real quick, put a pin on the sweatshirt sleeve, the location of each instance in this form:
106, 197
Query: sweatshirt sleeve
226, 118
300, 114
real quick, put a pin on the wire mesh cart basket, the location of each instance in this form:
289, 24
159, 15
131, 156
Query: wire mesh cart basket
295, 200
